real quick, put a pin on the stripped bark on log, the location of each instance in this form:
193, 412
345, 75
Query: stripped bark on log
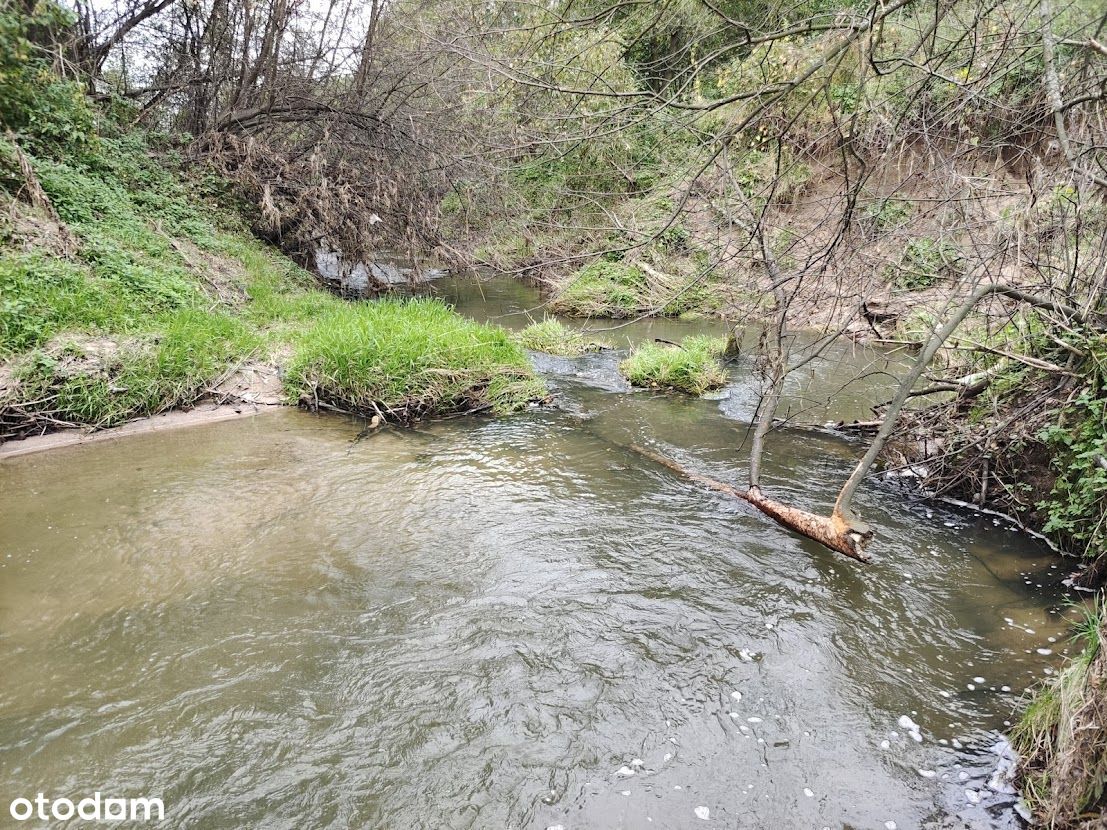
838, 532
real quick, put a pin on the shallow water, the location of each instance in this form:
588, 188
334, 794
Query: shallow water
505, 623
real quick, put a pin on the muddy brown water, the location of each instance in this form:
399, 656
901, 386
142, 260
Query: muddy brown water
509, 623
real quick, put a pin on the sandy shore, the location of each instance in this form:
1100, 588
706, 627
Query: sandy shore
174, 419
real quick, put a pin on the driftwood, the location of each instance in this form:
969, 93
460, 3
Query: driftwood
838, 532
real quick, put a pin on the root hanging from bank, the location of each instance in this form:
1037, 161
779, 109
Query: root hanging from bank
837, 532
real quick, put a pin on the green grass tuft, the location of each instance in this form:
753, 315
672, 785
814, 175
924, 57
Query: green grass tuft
608, 289
105, 381
409, 359
691, 367
554, 337
621, 289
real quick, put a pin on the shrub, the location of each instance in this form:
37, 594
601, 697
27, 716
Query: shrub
885, 214
1077, 506
48, 112
924, 262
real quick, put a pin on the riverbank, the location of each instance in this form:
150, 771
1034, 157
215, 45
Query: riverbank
129, 291
201, 413
1062, 736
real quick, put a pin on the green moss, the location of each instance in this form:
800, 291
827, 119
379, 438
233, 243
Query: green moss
410, 359
691, 367
554, 337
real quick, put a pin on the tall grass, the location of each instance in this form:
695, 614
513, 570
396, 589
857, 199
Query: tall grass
554, 337
691, 367
407, 359
1062, 734
106, 381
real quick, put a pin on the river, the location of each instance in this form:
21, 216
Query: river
510, 623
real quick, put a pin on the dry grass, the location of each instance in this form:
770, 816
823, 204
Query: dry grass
1062, 738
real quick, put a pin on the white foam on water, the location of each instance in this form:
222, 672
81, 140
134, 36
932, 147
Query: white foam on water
905, 722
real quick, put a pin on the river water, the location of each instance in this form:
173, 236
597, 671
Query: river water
509, 623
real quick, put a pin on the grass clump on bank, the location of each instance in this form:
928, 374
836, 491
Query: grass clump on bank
691, 367
551, 336
623, 289
1062, 737
406, 359
107, 380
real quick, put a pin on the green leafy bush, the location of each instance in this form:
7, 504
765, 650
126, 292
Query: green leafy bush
45, 110
1077, 506
885, 214
924, 262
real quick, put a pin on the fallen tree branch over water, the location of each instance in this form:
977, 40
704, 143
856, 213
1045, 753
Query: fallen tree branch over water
833, 531
842, 531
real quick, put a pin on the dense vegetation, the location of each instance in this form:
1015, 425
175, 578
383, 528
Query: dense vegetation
126, 289
930, 177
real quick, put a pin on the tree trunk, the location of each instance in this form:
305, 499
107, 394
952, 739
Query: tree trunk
834, 531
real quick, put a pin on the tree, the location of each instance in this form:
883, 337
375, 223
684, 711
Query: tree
877, 97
